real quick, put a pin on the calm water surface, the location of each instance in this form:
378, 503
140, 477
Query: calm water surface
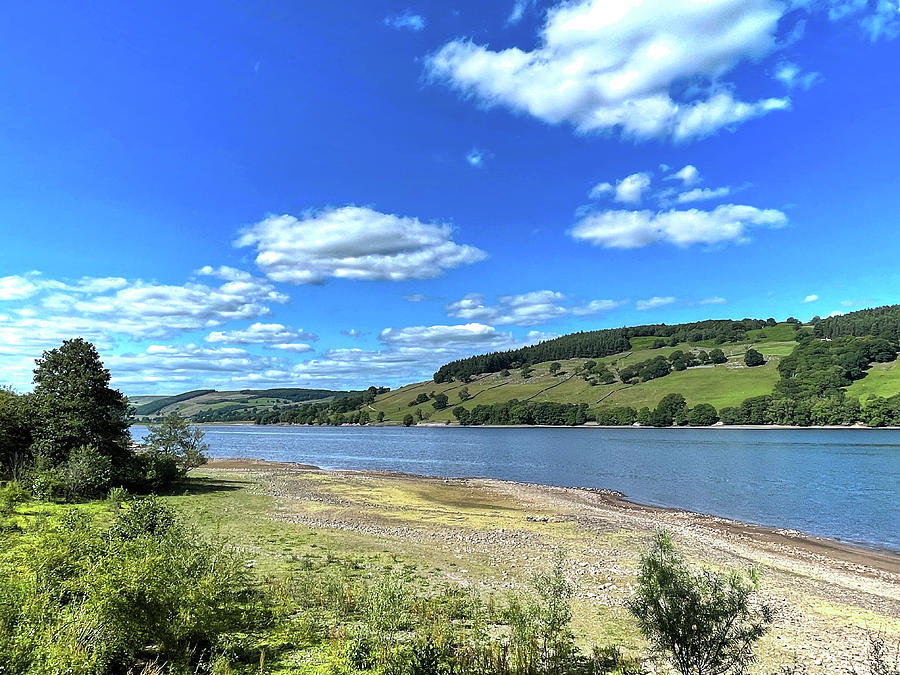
843, 484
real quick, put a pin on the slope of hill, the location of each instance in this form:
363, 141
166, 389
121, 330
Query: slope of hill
208, 405
726, 384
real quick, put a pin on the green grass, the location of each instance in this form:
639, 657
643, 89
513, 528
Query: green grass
882, 379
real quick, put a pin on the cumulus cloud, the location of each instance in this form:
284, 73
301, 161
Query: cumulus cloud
603, 66
406, 21
526, 309
262, 333
630, 189
790, 75
715, 300
635, 229
155, 310
811, 298
688, 175
654, 303
470, 335
352, 332
601, 190
703, 194
354, 243
111, 311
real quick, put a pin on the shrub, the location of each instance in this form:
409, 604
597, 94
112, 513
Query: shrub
11, 495
89, 600
703, 621
87, 473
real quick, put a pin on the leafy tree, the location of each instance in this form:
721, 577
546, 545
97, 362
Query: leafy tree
717, 356
704, 621
461, 414
15, 434
408, 420
75, 405
463, 394
526, 371
440, 402
753, 358
554, 367
669, 408
175, 438
702, 415
381, 416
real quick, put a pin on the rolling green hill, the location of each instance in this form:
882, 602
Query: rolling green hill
722, 385
208, 405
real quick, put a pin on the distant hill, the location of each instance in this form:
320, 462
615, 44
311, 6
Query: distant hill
209, 405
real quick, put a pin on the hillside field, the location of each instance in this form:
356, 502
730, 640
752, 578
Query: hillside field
721, 385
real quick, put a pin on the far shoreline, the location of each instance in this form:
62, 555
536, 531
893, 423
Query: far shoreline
457, 425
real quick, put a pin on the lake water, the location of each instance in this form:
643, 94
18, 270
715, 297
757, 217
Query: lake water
843, 484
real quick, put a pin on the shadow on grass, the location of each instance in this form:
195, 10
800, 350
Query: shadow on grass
203, 486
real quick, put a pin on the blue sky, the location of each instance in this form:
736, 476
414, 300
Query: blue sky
353, 193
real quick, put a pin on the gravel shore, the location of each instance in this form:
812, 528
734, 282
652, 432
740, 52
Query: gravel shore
492, 534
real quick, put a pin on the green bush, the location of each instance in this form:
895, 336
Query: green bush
76, 597
87, 473
704, 621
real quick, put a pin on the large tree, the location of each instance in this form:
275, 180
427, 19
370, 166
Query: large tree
75, 406
15, 434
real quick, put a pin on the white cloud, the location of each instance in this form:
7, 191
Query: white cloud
811, 298
406, 21
261, 333
703, 194
352, 332
415, 297
151, 309
878, 18
293, 347
601, 190
525, 309
630, 189
654, 303
475, 158
354, 243
635, 229
688, 175
715, 300
16, 288
469, 336
792, 77
603, 66
518, 11
596, 307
